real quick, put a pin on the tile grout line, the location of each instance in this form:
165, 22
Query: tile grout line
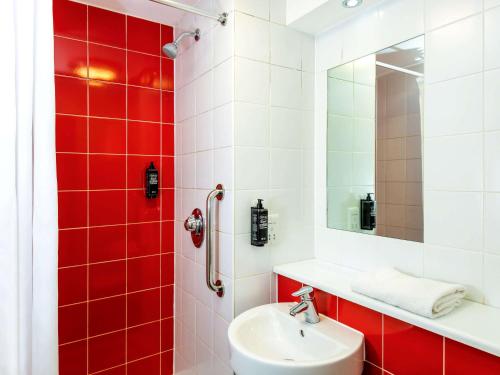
88, 193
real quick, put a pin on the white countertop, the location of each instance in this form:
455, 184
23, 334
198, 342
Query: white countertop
471, 323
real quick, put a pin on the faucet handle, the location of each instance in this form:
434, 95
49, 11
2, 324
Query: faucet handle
303, 292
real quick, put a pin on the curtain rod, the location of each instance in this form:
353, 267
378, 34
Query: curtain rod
221, 18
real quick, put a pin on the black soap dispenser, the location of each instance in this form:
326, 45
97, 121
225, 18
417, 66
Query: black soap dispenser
152, 181
367, 213
259, 223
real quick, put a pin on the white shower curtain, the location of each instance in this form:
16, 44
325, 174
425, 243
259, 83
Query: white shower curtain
28, 191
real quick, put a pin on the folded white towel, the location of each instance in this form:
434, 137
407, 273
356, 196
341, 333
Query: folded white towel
421, 296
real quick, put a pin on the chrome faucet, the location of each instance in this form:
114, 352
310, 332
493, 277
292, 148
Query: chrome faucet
307, 304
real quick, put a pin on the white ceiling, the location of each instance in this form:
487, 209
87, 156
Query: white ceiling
323, 15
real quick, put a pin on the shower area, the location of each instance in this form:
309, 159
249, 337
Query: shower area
166, 111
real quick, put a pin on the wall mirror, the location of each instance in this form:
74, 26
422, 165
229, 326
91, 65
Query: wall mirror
374, 143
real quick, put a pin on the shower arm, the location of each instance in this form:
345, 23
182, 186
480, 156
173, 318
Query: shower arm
221, 18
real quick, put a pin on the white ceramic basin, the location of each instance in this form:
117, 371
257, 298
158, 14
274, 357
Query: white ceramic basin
266, 340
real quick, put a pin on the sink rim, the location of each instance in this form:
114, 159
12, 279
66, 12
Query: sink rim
281, 308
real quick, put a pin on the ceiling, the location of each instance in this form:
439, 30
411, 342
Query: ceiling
322, 15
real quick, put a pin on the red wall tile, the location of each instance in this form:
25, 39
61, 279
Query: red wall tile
72, 323
143, 138
107, 279
143, 239
106, 99
143, 36
70, 19
167, 107
461, 359
92, 129
150, 365
107, 207
106, 351
106, 27
71, 95
327, 303
71, 171
107, 172
143, 307
143, 273
107, 136
367, 321
167, 362
143, 340
143, 70
107, 64
107, 315
72, 209
107, 243
72, 285
73, 358
143, 104
71, 133
70, 57
286, 287
72, 247
411, 350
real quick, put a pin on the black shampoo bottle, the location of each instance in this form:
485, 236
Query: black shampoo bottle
259, 220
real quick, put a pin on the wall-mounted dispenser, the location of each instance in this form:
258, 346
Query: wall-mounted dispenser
152, 184
259, 224
367, 213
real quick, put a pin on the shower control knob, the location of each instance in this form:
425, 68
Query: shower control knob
194, 224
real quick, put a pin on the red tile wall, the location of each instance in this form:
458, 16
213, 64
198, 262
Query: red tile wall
395, 347
116, 263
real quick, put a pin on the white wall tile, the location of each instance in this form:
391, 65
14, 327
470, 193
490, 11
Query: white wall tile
205, 170
258, 8
491, 99
491, 3
204, 321
286, 87
204, 131
457, 266
251, 168
278, 11
223, 306
492, 38
284, 48
224, 41
223, 83
491, 221
189, 171
492, 279
223, 167
251, 124
454, 219
283, 169
492, 161
286, 128
221, 342
253, 81
252, 291
203, 92
454, 162
204, 358
460, 41
223, 126
250, 260
454, 106
251, 37
439, 13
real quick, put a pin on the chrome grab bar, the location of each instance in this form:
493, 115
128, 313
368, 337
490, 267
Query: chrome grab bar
215, 285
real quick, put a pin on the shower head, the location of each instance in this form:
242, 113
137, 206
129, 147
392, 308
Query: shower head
171, 49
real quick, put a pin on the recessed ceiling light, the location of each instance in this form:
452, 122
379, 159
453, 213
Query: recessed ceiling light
351, 3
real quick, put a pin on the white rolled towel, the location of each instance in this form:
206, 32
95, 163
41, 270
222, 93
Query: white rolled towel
429, 298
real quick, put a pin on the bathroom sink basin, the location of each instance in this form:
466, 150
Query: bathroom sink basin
266, 340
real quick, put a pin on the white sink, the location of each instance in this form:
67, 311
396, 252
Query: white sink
266, 340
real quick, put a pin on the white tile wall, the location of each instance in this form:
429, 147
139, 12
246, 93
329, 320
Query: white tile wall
204, 157
461, 141
273, 130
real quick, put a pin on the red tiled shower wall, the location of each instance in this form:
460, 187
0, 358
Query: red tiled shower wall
114, 104
395, 347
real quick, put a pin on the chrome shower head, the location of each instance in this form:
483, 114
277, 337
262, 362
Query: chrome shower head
171, 49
